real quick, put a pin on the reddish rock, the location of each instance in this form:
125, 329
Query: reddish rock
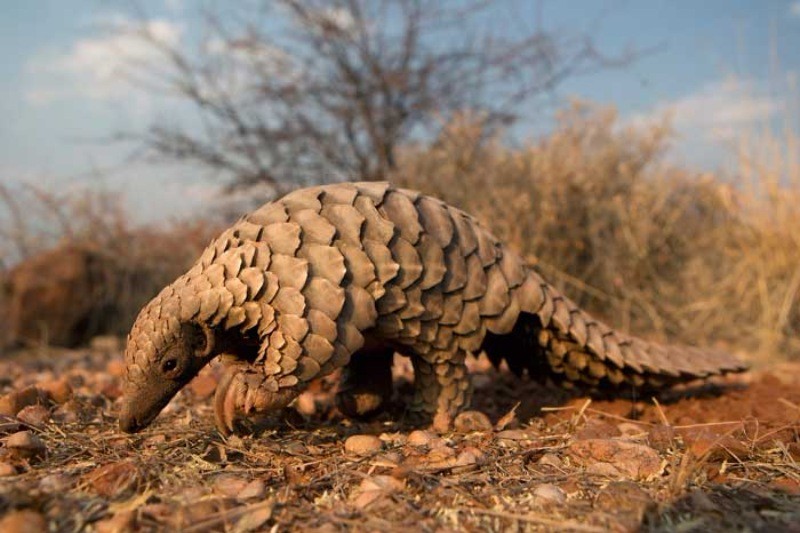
34, 415
421, 437
375, 488
469, 456
256, 517
512, 436
632, 460
13, 402
56, 482
230, 485
470, 421
549, 493
59, 390
25, 445
254, 490
362, 445
115, 480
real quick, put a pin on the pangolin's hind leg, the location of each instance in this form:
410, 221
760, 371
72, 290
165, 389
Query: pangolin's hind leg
366, 384
441, 389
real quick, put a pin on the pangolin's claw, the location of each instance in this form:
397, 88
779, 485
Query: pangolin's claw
234, 393
245, 390
225, 400
253, 382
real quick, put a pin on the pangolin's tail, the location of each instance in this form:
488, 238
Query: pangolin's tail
553, 338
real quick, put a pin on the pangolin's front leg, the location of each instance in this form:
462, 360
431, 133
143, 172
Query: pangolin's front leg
245, 389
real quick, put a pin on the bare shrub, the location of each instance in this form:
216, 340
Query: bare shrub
655, 249
77, 267
297, 91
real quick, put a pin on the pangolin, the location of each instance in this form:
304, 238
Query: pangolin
345, 275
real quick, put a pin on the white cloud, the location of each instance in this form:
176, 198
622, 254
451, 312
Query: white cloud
719, 111
709, 121
794, 9
98, 67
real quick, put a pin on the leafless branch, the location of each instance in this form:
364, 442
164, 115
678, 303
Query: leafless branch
296, 91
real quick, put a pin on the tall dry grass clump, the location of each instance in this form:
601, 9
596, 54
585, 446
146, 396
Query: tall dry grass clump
663, 251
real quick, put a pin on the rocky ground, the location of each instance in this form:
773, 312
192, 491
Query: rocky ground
722, 458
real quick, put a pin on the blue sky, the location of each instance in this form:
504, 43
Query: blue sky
720, 67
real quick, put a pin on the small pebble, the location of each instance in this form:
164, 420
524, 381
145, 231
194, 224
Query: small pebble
55, 483
68, 413
421, 437
59, 390
155, 440
470, 421
549, 492
374, 488
34, 415
551, 459
469, 456
25, 445
512, 435
389, 459
13, 402
230, 485
114, 480
362, 445
253, 490
295, 447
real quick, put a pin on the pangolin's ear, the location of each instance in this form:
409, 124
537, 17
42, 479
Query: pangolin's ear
200, 339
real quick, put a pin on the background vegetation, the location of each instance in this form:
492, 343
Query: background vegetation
428, 95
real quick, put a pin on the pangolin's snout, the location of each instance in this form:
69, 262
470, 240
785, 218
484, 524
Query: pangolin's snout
128, 422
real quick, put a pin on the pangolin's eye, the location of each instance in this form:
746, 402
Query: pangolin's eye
169, 365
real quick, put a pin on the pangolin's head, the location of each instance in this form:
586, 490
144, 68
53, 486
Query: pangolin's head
162, 355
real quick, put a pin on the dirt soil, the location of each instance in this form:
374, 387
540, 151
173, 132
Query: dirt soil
720, 457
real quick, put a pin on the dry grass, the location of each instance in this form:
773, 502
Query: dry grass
658, 250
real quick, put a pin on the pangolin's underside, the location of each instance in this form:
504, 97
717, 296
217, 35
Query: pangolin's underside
343, 276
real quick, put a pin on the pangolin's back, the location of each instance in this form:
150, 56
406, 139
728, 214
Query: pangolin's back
428, 278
